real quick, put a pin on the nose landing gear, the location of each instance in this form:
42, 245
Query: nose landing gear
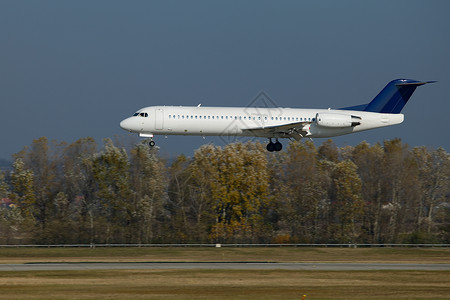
271, 147
151, 143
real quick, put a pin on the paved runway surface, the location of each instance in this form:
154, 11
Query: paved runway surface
223, 266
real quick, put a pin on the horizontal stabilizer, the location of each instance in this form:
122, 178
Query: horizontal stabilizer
415, 83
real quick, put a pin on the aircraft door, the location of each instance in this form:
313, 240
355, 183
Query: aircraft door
159, 119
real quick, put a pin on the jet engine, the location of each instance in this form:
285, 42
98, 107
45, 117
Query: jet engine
337, 120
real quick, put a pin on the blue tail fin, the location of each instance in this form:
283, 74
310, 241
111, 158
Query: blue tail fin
392, 98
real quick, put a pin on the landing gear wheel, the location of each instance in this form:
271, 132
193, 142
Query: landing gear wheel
271, 146
152, 144
278, 146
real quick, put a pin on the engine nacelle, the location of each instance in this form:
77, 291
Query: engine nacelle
337, 120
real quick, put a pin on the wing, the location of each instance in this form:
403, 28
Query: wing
296, 131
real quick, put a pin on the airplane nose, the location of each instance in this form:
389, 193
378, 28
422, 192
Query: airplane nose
126, 124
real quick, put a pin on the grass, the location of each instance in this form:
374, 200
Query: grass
217, 284
225, 284
260, 254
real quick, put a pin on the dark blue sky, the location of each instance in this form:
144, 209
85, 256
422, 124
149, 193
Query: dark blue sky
72, 69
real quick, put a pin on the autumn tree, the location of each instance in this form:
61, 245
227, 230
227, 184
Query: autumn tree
5, 212
328, 151
190, 200
348, 204
148, 184
80, 190
22, 218
434, 174
369, 160
111, 174
42, 159
239, 191
400, 190
303, 194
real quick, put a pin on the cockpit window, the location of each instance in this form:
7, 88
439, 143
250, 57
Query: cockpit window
135, 114
142, 114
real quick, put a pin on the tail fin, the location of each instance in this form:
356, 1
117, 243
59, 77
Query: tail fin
392, 98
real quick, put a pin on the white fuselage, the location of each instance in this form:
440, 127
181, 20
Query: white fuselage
240, 121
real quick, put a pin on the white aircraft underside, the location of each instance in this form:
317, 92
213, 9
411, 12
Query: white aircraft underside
273, 122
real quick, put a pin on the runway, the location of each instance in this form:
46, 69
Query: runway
224, 266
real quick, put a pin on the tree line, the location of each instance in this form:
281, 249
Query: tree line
59, 193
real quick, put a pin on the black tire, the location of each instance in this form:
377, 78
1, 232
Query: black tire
270, 147
278, 146
151, 143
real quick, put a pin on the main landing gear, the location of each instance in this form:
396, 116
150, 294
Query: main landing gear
277, 146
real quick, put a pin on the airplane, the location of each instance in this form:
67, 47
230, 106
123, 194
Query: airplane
274, 123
